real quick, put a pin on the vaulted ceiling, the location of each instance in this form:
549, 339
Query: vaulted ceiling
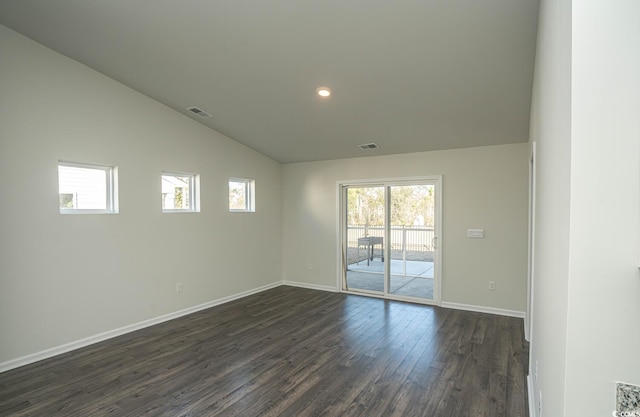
409, 75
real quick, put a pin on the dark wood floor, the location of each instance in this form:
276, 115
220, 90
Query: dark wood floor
288, 352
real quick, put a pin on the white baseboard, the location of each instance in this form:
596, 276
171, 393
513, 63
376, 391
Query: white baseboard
310, 286
483, 309
58, 350
531, 397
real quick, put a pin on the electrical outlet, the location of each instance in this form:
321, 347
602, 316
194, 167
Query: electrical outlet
492, 285
539, 403
309, 267
179, 287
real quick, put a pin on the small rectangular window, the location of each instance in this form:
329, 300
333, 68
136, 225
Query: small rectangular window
241, 195
179, 192
86, 188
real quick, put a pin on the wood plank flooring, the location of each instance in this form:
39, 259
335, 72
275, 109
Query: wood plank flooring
289, 352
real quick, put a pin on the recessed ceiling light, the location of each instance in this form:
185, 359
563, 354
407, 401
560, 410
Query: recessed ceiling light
323, 91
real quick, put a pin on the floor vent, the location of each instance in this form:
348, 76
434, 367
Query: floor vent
368, 146
199, 112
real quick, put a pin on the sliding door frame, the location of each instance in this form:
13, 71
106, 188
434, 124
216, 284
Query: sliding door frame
341, 216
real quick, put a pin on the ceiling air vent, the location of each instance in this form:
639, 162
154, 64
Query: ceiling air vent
368, 146
199, 112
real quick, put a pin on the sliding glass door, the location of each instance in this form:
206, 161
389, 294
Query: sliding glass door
365, 231
390, 239
413, 240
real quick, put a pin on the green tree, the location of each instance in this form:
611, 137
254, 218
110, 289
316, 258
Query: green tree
409, 205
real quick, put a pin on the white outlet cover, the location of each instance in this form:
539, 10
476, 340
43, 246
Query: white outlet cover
475, 233
539, 403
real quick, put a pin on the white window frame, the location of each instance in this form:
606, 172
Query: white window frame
111, 197
194, 192
249, 195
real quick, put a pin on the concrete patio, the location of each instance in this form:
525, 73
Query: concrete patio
410, 278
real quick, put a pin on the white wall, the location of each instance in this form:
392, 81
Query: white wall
585, 112
67, 277
483, 187
551, 130
603, 327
